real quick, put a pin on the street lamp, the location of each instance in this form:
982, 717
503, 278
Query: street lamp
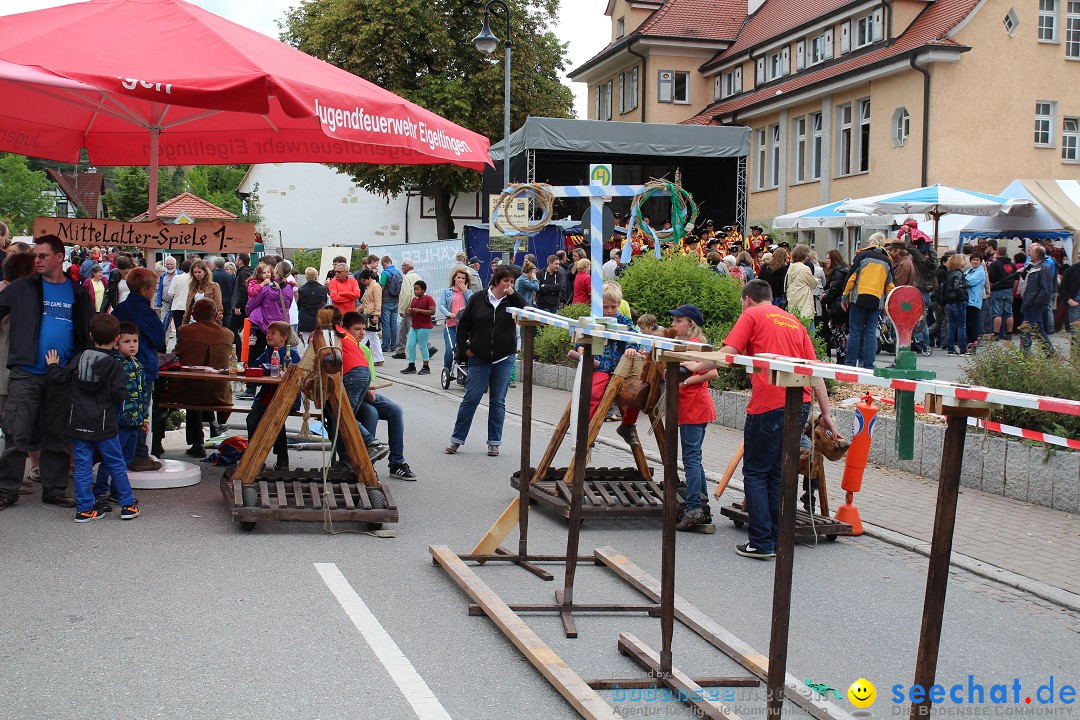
486, 42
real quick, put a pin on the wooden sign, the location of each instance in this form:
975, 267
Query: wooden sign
213, 236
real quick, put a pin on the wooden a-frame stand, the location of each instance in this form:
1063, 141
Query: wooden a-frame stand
349, 496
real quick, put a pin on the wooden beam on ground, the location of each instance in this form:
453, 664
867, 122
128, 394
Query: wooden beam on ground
499, 531
569, 684
557, 436
683, 685
720, 638
649, 683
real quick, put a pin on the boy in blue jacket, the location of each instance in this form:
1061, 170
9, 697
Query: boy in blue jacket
97, 384
131, 412
277, 339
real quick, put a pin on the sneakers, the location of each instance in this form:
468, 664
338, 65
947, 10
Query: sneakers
101, 503
34, 474
748, 550
130, 512
424, 371
628, 433
452, 448
493, 450
376, 451
690, 519
409, 369
196, 451
402, 472
91, 514
398, 356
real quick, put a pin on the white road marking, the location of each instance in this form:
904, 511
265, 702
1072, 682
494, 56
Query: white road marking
412, 686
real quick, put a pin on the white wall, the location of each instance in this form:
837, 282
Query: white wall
314, 206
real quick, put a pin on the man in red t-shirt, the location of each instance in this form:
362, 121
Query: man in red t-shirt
765, 328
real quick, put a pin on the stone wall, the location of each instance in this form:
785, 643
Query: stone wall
994, 464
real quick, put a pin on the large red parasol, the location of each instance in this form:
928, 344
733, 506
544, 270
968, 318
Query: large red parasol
136, 82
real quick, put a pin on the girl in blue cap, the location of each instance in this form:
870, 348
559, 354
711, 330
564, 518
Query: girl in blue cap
696, 411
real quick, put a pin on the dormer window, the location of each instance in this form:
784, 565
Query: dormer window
620, 27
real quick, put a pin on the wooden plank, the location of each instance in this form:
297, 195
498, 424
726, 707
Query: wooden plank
330, 499
262, 440
648, 683
346, 495
564, 492
282, 496
592, 487
363, 499
631, 493
616, 487
499, 531
238, 492
390, 504
717, 636
597, 420
650, 499
298, 494
678, 681
557, 436
264, 494
584, 699
316, 496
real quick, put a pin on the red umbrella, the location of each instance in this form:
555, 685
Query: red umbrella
138, 81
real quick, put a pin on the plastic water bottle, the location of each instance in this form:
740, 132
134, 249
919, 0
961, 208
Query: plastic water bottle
275, 366
232, 362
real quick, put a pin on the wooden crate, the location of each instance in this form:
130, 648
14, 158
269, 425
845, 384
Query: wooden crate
296, 495
805, 524
608, 492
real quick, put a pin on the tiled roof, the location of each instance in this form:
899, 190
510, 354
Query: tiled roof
775, 18
708, 19
929, 28
716, 20
193, 205
82, 188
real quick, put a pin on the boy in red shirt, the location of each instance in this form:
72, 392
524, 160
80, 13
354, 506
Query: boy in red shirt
765, 328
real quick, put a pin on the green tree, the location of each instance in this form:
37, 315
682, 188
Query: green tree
421, 50
217, 184
128, 197
21, 194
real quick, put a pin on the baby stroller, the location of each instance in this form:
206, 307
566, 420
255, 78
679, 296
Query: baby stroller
457, 373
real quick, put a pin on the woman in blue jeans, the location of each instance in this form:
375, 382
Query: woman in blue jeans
451, 303
954, 295
487, 341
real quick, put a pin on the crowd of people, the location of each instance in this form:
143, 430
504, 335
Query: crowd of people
84, 332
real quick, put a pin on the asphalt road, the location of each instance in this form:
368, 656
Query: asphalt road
180, 614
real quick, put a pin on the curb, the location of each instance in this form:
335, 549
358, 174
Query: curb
982, 569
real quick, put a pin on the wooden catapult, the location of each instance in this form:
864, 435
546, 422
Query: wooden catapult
254, 493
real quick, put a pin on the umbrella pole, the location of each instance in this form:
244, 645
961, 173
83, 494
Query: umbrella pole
152, 191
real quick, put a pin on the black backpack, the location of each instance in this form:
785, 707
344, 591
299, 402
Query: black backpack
392, 289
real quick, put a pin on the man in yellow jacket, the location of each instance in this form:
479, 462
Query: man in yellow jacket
870, 280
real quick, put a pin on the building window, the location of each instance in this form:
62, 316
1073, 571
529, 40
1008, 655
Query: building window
627, 91
1070, 140
1044, 124
817, 50
61, 208
622, 93
843, 148
817, 144
620, 27
864, 135
759, 159
901, 127
774, 155
798, 165
673, 87
864, 31
1072, 30
607, 100
633, 88
1011, 22
779, 64
1047, 20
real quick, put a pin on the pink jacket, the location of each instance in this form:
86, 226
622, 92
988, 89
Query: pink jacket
264, 306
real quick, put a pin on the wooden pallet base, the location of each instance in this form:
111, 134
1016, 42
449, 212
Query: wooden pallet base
297, 495
807, 526
608, 492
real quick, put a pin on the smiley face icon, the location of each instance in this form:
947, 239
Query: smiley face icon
862, 693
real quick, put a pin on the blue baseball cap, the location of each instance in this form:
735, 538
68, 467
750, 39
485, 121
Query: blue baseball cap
688, 311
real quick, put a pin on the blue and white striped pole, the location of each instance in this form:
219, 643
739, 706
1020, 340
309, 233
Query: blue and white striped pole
596, 230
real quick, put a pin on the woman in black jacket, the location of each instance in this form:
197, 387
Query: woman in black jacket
835, 330
954, 296
487, 341
310, 298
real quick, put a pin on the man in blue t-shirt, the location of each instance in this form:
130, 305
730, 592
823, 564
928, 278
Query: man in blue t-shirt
48, 312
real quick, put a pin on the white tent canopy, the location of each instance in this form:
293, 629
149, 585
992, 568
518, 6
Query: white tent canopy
1056, 216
